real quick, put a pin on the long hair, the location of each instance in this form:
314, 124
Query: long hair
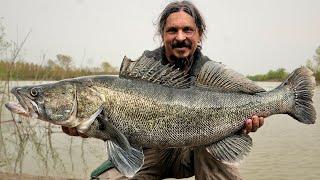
185, 6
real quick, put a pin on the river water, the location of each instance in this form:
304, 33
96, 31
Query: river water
283, 148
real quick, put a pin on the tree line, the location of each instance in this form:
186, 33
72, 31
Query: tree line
273, 75
281, 74
60, 68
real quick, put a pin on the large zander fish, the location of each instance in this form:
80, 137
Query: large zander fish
155, 105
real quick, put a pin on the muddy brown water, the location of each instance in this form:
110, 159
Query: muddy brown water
283, 148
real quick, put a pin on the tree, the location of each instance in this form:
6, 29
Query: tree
314, 64
107, 68
4, 44
64, 61
61, 67
51, 64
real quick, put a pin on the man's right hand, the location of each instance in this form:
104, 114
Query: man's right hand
72, 132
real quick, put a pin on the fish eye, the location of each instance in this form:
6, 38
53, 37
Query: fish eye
34, 92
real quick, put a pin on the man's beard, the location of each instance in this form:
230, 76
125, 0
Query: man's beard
181, 63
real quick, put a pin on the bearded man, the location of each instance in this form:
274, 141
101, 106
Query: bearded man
182, 29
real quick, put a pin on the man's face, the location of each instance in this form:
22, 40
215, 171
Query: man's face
180, 36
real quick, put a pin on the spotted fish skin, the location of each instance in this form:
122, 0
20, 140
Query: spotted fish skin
152, 115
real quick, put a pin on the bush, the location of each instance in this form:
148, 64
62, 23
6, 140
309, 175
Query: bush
277, 75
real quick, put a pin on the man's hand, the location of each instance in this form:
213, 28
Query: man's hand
251, 125
72, 132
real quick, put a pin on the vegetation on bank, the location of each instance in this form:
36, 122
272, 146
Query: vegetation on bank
314, 64
58, 69
273, 75
281, 74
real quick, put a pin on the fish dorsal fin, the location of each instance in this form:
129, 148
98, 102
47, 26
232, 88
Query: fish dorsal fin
154, 71
216, 77
126, 66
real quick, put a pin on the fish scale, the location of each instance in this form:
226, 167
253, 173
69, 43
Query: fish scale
176, 122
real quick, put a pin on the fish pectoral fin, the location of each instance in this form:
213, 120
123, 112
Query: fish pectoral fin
231, 149
115, 135
127, 159
85, 124
127, 163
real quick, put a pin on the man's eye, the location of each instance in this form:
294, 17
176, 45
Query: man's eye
171, 30
188, 30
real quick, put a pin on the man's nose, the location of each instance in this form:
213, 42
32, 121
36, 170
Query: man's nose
181, 36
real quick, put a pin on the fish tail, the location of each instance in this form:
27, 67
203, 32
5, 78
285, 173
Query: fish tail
302, 84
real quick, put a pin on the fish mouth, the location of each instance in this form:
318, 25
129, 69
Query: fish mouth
17, 108
25, 107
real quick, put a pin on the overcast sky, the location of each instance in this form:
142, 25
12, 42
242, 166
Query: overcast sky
249, 36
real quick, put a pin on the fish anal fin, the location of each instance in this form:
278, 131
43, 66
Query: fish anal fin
216, 77
231, 149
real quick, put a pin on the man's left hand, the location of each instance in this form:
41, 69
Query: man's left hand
251, 125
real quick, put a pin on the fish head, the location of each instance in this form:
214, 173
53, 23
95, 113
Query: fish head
54, 102
67, 103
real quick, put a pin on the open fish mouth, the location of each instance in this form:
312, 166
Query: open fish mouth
26, 107
17, 108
